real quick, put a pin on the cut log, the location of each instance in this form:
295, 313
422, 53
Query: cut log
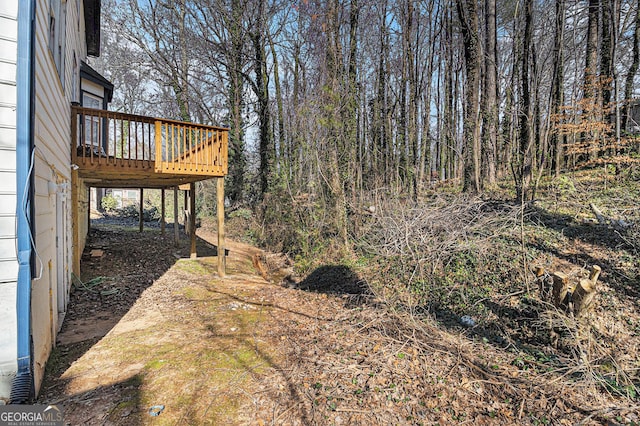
585, 292
618, 224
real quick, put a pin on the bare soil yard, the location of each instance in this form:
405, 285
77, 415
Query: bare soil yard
150, 331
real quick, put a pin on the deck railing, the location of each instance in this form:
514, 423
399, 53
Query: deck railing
108, 138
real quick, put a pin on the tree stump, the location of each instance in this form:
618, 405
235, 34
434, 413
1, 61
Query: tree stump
545, 284
585, 292
561, 287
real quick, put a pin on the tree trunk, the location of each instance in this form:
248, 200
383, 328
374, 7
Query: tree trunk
606, 55
336, 193
490, 99
525, 159
633, 70
468, 14
414, 99
282, 160
181, 81
592, 86
381, 161
266, 148
557, 87
237, 162
591, 59
349, 141
447, 148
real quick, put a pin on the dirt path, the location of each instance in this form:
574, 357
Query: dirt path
159, 330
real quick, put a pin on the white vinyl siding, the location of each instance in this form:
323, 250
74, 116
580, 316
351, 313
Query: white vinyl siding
52, 137
53, 88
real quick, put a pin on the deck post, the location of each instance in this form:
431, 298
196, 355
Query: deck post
141, 210
176, 225
162, 212
222, 263
192, 214
185, 218
75, 219
89, 210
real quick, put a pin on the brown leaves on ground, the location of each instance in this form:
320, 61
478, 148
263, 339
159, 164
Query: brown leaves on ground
244, 351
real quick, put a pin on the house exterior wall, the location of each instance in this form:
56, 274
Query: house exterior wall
54, 92
8, 258
92, 88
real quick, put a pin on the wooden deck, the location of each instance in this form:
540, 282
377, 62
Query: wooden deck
116, 150
112, 149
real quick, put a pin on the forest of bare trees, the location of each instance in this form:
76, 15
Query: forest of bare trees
329, 101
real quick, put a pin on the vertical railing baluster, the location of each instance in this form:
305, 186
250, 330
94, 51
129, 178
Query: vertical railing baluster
180, 146
122, 142
99, 137
115, 140
201, 151
129, 142
106, 139
159, 160
225, 153
190, 164
173, 145
91, 140
206, 146
138, 142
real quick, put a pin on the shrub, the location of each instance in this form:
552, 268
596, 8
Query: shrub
149, 213
109, 203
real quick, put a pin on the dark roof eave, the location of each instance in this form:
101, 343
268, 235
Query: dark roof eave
90, 74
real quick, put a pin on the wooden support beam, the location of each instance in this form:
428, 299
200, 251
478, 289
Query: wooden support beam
162, 212
88, 210
75, 221
176, 225
186, 219
141, 210
222, 262
192, 225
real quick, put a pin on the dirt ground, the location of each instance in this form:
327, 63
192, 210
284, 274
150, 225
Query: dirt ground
150, 331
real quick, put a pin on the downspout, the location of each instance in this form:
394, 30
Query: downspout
23, 387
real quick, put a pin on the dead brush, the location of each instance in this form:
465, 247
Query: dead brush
428, 240
418, 245
591, 360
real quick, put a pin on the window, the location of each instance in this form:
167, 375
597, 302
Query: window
92, 125
57, 34
75, 79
